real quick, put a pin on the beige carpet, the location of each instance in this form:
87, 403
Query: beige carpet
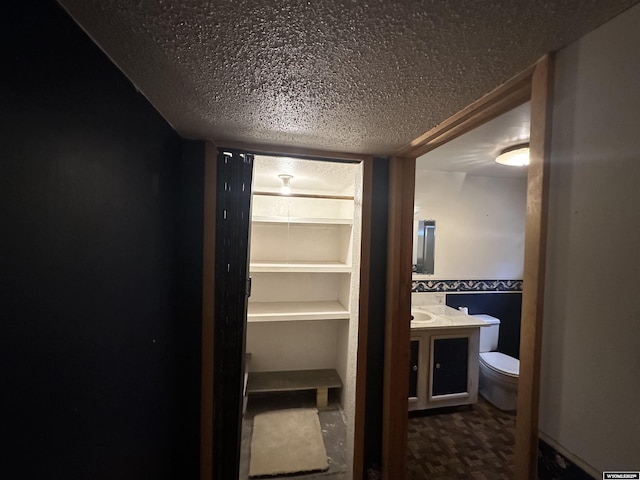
286, 442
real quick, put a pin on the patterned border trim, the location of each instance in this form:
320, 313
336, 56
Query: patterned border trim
466, 286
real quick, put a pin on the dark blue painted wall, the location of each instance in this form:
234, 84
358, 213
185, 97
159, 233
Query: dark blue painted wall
377, 307
504, 306
100, 264
552, 465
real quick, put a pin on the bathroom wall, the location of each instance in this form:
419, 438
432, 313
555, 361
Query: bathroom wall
505, 306
479, 224
479, 249
590, 353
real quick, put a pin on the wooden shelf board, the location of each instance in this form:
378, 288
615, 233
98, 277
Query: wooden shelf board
303, 220
295, 311
330, 267
285, 381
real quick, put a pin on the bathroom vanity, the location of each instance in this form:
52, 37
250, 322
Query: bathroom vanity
444, 357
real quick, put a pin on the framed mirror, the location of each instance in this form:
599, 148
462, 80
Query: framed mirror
426, 247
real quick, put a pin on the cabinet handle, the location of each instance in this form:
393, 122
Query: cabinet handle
437, 365
415, 368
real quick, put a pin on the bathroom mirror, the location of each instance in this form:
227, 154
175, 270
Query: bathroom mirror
426, 246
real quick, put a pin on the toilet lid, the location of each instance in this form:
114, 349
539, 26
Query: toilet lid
501, 362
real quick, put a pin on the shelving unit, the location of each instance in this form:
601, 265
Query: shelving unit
301, 268
304, 263
316, 248
281, 248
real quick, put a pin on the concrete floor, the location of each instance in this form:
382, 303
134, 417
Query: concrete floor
332, 422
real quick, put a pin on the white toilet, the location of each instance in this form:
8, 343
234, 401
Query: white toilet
498, 372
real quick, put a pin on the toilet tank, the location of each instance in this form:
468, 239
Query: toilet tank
489, 334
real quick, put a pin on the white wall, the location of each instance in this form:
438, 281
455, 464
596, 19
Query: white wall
479, 224
347, 340
292, 345
590, 390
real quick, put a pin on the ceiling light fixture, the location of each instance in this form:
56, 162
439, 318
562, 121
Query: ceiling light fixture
514, 156
286, 188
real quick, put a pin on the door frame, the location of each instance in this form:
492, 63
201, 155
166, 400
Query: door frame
207, 400
534, 84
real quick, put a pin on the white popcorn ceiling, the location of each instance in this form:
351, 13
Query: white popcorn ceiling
352, 76
308, 176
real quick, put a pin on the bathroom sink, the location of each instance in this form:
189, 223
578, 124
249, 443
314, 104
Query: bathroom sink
443, 316
421, 317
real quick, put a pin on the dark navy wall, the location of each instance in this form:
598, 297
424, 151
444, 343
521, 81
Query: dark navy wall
552, 465
504, 306
377, 307
100, 264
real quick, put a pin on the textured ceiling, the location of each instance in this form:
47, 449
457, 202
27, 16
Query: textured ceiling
353, 76
308, 176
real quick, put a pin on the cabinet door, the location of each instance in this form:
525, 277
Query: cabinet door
450, 366
413, 368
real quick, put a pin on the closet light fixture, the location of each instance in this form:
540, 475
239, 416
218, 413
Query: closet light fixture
286, 188
514, 156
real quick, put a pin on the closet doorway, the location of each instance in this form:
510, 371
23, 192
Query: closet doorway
292, 309
302, 321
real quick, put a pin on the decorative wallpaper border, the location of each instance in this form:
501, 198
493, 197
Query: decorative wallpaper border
466, 286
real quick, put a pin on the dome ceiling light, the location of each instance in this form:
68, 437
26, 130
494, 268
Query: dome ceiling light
515, 155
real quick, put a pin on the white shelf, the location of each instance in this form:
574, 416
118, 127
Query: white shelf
295, 311
303, 220
302, 267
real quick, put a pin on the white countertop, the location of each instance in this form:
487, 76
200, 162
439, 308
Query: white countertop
442, 316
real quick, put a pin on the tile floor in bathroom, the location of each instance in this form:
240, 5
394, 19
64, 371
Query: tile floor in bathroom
462, 443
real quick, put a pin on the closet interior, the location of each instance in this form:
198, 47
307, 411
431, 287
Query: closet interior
304, 264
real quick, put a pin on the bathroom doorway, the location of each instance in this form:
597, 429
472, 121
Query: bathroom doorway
478, 210
535, 84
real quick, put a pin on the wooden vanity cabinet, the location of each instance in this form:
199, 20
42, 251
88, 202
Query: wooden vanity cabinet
444, 364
